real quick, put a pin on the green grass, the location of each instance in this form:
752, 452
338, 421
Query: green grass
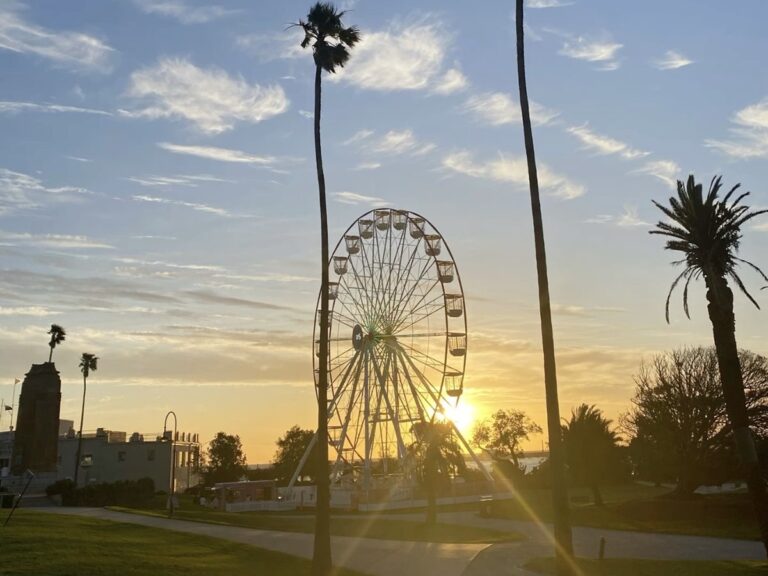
362, 526
631, 567
647, 509
35, 543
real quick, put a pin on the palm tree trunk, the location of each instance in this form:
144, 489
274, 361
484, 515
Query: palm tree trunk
80, 434
50, 356
321, 560
720, 309
430, 477
563, 538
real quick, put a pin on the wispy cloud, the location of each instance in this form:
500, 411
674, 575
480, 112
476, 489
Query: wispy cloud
218, 154
73, 50
498, 108
368, 166
61, 241
25, 311
394, 142
355, 199
20, 191
212, 100
512, 169
602, 144
189, 180
628, 219
671, 61
750, 136
603, 52
183, 11
403, 57
665, 170
267, 46
192, 205
547, 3
17, 107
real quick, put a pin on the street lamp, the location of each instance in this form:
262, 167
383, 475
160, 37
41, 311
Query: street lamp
172, 490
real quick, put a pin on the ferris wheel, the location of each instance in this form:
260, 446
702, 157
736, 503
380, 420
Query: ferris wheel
397, 337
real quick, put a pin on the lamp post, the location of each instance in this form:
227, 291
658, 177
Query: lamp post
172, 489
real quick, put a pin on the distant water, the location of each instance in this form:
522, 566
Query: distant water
529, 462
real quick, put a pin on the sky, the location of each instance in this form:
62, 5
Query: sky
158, 195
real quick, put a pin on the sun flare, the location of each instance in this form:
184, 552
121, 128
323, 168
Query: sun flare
462, 415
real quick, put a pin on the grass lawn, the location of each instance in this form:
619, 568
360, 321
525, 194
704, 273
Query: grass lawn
35, 543
364, 526
629, 567
645, 508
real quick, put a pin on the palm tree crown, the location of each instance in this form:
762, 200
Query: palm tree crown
330, 40
58, 335
88, 362
707, 230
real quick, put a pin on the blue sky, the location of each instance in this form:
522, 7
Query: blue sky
157, 192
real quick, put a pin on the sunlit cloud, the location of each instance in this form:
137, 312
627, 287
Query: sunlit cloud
17, 107
218, 154
602, 144
392, 143
61, 241
187, 180
212, 100
355, 199
183, 11
25, 311
750, 136
672, 61
603, 52
512, 169
267, 46
19, 191
665, 170
73, 50
403, 57
498, 108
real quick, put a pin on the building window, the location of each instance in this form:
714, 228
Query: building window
87, 460
121, 456
151, 454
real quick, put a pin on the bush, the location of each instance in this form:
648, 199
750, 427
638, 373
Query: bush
123, 493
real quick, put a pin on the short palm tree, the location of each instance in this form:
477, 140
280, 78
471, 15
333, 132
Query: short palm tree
331, 43
560, 510
590, 446
88, 362
437, 455
58, 335
707, 231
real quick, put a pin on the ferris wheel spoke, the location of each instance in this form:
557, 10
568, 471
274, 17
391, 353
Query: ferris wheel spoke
392, 416
425, 358
402, 276
394, 259
360, 282
350, 292
369, 280
421, 306
407, 296
343, 319
417, 397
428, 386
350, 406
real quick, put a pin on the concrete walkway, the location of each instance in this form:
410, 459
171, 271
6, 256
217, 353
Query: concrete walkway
397, 558
367, 555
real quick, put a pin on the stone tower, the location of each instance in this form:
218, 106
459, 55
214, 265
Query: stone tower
37, 424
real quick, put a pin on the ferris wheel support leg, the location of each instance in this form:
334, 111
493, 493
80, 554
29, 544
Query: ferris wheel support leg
303, 461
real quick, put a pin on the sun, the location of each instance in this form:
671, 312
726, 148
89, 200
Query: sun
463, 416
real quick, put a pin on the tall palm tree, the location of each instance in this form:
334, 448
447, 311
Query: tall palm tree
331, 43
707, 230
562, 524
88, 362
590, 447
58, 335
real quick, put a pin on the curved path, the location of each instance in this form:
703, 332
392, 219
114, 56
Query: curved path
368, 555
398, 558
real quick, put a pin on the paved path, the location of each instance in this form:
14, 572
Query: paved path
367, 555
397, 558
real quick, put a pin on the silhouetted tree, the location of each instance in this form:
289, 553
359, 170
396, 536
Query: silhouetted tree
678, 424
58, 335
225, 460
501, 436
330, 42
88, 363
290, 448
707, 230
590, 448
438, 457
560, 512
